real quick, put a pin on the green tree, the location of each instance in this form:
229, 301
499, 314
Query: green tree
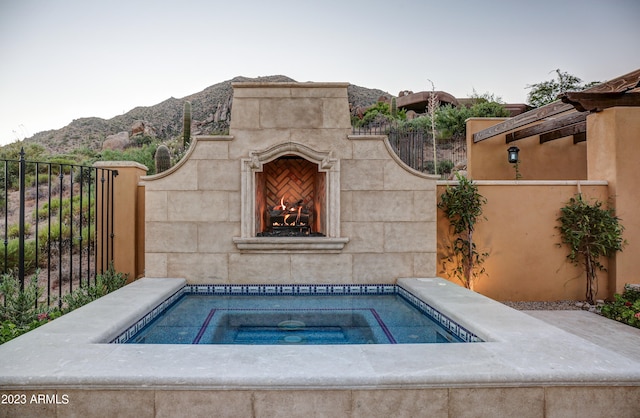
547, 92
143, 155
590, 232
451, 121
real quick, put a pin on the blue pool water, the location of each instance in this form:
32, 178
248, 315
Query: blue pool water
291, 319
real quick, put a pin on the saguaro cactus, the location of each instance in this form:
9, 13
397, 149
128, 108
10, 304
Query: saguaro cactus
186, 124
163, 159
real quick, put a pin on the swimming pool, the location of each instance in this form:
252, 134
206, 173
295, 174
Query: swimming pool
293, 315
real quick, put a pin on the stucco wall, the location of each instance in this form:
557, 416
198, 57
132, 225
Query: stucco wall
127, 219
555, 160
613, 148
607, 155
195, 211
525, 261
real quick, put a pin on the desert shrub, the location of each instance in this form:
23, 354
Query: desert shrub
57, 232
142, 140
19, 311
143, 155
43, 178
444, 167
380, 114
71, 209
421, 123
88, 233
18, 306
105, 283
12, 258
13, 231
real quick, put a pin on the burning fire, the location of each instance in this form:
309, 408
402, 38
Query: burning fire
286, 219
294, 211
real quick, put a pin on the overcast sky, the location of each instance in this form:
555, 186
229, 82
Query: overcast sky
65, 59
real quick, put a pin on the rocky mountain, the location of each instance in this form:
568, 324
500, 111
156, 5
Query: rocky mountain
211, 110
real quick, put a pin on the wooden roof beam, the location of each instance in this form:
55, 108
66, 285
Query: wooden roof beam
523, 119
595, 102
547, 126
580, 137
617, 85
571, 130
623, 83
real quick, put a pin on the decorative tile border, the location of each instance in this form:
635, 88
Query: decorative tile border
302, 290
298, 290
150, 316
446, 322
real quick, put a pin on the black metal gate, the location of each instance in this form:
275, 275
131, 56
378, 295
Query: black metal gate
415, 147
57, 223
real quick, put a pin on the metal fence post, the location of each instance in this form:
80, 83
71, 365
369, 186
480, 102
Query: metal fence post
23, 166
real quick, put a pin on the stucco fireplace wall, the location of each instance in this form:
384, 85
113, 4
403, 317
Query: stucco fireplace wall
379, 215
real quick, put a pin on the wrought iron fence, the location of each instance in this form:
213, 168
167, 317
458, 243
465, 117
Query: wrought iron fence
57, 224
414, 146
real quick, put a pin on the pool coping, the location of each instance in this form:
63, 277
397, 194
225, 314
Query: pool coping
518, 351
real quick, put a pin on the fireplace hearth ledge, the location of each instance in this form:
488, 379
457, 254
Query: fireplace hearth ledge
296, 244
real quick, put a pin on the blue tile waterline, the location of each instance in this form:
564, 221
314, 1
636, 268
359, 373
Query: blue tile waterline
458, 331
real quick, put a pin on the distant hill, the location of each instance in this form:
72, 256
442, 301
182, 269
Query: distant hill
210, 114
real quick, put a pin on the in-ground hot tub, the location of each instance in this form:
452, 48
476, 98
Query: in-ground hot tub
295, 314
523, 361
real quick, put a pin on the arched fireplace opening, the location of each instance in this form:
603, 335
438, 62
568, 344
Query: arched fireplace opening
290, 175
290, 198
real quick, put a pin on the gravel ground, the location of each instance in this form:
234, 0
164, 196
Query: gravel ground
560, 305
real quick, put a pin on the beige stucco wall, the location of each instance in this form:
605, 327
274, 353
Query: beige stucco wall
560, 159
139, 242
608, 155
194, 212
519, 232
127, 219
613, 156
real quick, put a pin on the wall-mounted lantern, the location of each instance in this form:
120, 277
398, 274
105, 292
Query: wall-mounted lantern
512, 154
